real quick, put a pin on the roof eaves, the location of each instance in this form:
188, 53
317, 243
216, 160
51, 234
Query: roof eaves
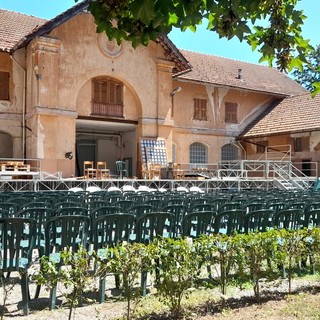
53, 23
171, 50
277, 133
277, 94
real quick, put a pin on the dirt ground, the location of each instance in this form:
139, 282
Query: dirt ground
240, 306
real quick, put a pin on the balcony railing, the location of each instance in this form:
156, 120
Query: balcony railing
110, 110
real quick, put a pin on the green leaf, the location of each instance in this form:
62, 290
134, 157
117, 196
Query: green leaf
296, 63
143, 11
316, 89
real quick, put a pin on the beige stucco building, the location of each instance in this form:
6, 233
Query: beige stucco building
66, 89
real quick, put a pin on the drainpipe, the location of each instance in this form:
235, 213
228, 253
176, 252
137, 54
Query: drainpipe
23, 107
243, 149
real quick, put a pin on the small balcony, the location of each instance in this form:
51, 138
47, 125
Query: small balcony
108, 110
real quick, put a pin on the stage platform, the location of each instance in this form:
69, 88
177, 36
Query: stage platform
238, 175
207, 185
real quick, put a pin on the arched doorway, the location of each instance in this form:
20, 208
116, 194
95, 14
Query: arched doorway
108, 112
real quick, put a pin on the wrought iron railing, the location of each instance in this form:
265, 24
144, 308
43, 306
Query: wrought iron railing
109, 110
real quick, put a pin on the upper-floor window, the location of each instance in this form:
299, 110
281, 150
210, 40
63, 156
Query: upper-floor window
107, 97
199, 109
261, 146
107, 91
231, 112
4, 85
301, 144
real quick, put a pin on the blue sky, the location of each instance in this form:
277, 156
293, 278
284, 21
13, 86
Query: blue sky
202, 41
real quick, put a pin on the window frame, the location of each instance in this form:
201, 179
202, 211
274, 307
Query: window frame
109, 94
229, 152
198, 151
301, 144
231, 112
200, 109
5, 85
261, 146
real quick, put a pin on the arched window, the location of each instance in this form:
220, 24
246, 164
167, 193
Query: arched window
107, 97
229, 152
198, 153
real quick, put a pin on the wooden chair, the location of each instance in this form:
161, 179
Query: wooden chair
178, 173
88, 170
145, 171
155, 171
102, 172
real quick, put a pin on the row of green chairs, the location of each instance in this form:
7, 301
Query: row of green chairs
61, 231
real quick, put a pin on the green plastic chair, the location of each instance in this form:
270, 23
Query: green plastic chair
230, 206
68, 204
149, 226
312, 218
121, 169
125, 205
113, 198
312, 205
258, 220
290, 219
140, 209
229, 222
198, 223
17, 240
110, 230
71, 211
198, 201
179, 211
177, 199
41, 216
153, 224
36, 204
11, 207
4, 213
253, 206
157, 203
277, 206
91, 206
137, 198
202, 207
106, 210
68, 231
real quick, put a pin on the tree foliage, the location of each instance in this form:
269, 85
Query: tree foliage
273, 27
309, 76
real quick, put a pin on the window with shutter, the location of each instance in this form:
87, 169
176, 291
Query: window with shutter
261, 146
4, 85
200, 109
301, 144
231, 112
107, 97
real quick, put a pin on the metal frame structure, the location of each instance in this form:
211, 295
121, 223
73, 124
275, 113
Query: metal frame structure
235, 175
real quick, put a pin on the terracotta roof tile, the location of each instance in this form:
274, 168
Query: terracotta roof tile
293, 114
222, 71
14, 26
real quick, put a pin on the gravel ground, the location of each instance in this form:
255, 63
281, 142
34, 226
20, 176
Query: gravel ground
113, 308
39, 308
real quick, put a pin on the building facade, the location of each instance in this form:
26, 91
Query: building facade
68, 94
